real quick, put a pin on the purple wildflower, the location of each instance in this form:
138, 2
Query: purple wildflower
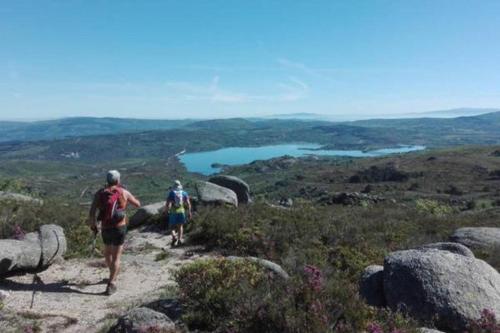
28, 329
374, 328
19, 233
314, 277
487, 323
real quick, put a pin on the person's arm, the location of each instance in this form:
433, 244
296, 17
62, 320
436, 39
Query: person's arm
168, 203
92, 223
188, 203
130, 198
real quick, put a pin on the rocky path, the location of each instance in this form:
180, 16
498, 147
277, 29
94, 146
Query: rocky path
69, 296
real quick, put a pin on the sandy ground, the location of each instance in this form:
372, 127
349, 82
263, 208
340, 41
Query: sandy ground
69, 297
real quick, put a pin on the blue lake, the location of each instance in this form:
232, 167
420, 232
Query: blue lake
202, 162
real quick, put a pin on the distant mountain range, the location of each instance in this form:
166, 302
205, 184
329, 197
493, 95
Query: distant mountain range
451, 113
89, 126
80, 126
146, 138
299, 115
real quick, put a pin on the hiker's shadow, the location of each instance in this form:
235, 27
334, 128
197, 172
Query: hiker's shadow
56, 287
158, 228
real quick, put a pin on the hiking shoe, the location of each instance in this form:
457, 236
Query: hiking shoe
181, 241
174, 242
110, 289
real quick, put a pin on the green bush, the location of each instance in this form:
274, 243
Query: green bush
258, 229
239, 296
13, 185
433, 207
213, 291
340, 242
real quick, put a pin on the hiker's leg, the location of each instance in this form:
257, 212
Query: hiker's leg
107, 251
171, 224
116, 261
108, 256
181, 231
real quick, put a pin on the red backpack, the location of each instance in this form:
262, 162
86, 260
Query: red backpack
111, 210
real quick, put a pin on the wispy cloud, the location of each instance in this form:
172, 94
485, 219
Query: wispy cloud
310, 71
229, 69
291, 90
336, 74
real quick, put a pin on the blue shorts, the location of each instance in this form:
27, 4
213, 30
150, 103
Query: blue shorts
176, 218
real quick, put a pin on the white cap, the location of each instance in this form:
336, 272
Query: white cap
177, 184
113, 177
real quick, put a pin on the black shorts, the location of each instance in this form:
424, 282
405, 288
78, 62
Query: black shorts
114, 236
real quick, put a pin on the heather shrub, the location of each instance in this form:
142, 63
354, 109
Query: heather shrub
239, 296
348, 260
214, 292
391, 322
339, 242
260, 230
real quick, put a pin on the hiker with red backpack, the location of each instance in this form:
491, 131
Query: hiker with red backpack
111, 201
177, 202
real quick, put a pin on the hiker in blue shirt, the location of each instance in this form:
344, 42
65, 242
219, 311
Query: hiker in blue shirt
177, 202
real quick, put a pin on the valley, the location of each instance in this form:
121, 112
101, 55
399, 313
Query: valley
338, 214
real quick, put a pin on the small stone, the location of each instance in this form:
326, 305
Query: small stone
4, 295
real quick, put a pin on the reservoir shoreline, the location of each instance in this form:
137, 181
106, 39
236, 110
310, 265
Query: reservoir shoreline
203, 162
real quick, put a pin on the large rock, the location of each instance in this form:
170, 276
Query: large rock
371, 285
209, 193
141, 320
269, 265
239, 187
286, 202
450, 288
477, 238
18, 256
52, 243
428, 330
34, 253
171, 307
449, 246
145, 213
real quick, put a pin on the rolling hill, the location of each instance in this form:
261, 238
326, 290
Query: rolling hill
79, 126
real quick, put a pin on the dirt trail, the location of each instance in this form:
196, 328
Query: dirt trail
69, 297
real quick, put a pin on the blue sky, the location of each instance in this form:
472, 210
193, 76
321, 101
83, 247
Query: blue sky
210, 58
